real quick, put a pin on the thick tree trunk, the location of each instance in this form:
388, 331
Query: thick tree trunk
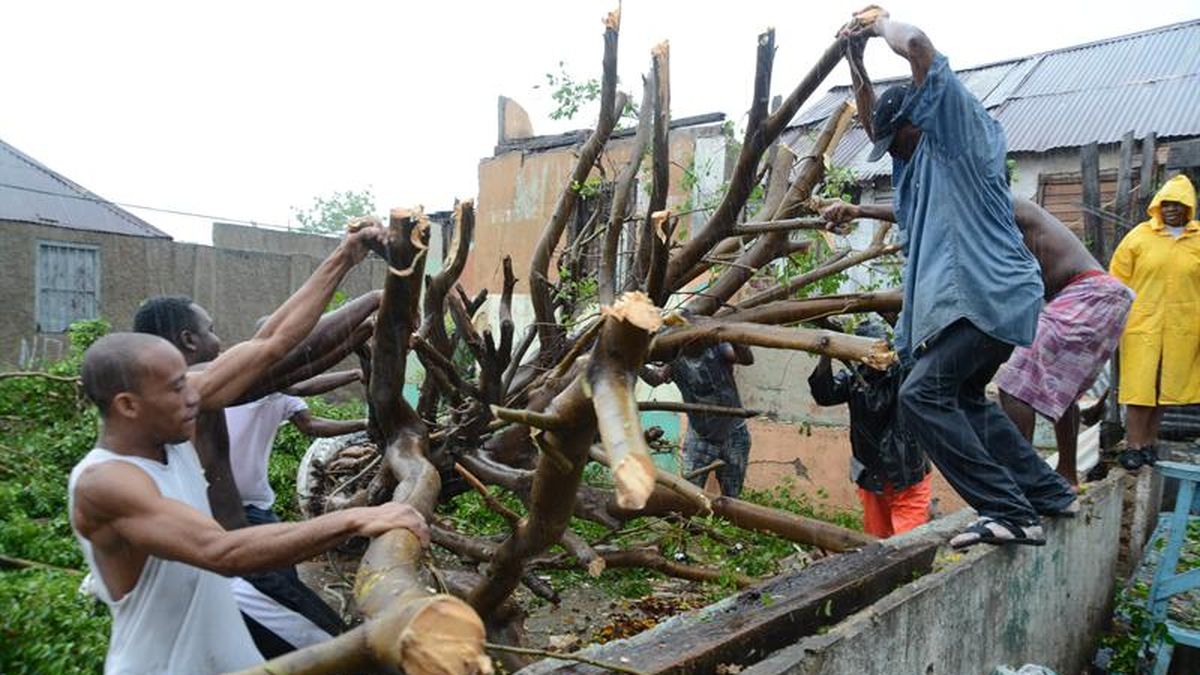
408, 626
610, 371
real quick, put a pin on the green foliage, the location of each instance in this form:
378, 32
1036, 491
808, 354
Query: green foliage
329, 215
571, 94
47, 626
339, 298
1136, 630
46, 426
568, 93
471, 515
575, 292
840, 183
290, 446
589, 188
805, 261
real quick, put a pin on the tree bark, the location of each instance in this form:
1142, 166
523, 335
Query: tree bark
610, 372
769, 246
874, 353
623, 192
761, 131
550, 332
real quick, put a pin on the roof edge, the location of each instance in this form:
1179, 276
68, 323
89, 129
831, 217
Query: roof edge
152, 231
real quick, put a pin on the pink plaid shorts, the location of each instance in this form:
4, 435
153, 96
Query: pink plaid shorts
1077, 333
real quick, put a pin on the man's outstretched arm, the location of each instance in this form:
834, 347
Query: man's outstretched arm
234, 371
323, 383
906, 40
321, 427
122, 497
839, 211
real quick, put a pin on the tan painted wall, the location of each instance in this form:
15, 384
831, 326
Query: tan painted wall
517, 194
817, 461
235, 286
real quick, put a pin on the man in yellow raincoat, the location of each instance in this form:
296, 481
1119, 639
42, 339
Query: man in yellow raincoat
1160, 350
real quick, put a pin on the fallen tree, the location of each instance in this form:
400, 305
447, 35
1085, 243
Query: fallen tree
529, 415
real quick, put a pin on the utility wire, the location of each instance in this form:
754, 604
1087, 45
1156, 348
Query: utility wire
177, 212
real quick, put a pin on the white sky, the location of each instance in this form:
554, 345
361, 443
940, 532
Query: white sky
244, 109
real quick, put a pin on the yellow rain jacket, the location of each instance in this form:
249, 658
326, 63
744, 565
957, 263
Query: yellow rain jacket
1163, 329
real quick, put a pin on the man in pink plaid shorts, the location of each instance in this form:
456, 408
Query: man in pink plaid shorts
1077, 333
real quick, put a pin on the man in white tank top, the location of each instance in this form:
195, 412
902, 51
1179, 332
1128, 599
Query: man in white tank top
138, 501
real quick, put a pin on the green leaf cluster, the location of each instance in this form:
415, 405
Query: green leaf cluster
329, 215
46, 426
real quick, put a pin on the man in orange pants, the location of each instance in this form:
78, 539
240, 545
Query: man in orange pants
892, 473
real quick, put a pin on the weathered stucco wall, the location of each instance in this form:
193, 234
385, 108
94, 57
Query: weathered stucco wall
991, 606
236, 286
518, 191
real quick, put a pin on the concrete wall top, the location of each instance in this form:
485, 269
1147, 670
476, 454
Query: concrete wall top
264, 240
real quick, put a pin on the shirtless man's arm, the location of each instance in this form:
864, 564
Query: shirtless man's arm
121, 512
236, 369
1059, 252
323, 383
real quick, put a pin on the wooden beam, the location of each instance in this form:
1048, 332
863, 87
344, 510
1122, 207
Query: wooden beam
1089, 159
1146, 183
741, 629
1123, 200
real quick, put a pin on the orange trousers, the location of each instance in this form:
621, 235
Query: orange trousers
894, 512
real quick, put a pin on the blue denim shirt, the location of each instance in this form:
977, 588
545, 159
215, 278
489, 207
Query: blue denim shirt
964, 256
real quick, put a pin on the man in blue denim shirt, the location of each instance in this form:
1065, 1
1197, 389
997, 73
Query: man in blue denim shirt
972, 291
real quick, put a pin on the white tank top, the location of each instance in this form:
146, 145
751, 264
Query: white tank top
177, 618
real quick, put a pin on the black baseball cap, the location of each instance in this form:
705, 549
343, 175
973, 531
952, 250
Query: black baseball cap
886, 119
871, 328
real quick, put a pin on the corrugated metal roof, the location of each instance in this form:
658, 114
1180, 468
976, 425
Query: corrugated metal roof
31, 192
1147, 81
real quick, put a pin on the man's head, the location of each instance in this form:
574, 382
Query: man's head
140, 382
1175, 202
183, 323
1174, 214
894, 133
872, 328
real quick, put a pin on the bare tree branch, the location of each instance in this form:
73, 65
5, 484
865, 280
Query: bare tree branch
550, 333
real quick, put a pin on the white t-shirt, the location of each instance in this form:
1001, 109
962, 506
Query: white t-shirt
177, 619
252, 430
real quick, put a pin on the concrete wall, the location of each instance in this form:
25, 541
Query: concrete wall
236, 286
988, 607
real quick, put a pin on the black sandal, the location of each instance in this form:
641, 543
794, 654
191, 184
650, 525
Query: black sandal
1131, 459
998, 532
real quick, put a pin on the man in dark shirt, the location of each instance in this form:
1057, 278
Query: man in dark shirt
892, 473
705, 375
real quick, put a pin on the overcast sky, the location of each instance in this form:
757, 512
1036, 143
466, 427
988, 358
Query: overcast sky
242, 110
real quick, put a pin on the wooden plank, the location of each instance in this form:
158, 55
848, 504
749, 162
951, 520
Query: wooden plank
1146, 188
746, 627
1089, 159
1184, 154
1122, 200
